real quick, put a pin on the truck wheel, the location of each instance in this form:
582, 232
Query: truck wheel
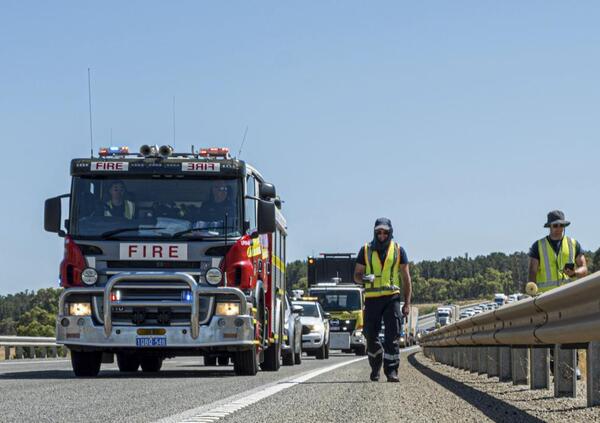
321, 352
327, 351
272, 358
360, 351
245, 363
151, 364
298, 357
86, 364
128, 362
223, 360
210, 360
288, 358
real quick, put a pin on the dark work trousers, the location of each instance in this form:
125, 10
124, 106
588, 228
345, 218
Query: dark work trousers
388, 309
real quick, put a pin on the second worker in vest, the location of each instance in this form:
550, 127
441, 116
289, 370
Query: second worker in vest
556, 259
378, 267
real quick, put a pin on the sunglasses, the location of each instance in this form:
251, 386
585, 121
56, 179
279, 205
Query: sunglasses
557, 225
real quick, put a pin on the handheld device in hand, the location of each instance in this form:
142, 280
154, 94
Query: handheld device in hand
368, 278
570, 266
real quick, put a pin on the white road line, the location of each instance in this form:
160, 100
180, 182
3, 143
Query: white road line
219, 409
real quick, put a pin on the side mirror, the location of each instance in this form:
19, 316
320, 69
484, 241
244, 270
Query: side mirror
296, 309
267, 191
52, 212
327, 315
266, 217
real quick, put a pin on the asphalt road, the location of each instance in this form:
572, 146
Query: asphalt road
334, 390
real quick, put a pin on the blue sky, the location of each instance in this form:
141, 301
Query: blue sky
464, 121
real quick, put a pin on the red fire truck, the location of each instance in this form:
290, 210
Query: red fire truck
169, 254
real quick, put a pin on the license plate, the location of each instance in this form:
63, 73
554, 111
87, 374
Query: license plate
151, 341
334, 328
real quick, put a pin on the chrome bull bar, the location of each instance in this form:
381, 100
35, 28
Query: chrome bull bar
181, 277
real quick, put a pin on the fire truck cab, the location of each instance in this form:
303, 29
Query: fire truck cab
169, 254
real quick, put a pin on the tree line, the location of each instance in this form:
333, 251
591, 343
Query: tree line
458, 278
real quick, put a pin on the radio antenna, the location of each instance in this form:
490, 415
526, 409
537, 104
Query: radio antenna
243, 141
173, 122
90, 106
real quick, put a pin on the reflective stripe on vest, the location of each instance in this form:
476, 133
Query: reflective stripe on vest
127, 213
550, 271
386, 276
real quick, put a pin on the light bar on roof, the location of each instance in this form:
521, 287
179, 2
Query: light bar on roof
214, 152
113, 151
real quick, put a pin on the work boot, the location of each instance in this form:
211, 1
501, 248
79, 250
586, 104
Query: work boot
392, 376
374, 375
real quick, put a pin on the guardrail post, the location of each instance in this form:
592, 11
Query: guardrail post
474, 360
540, 368
504, 368
31, 352
19, 353
52, 352
492, 362
565, 378
593, 374
462, 358
7, 353
520, 365
482, 368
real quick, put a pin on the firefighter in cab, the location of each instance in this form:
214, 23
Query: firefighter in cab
381, 266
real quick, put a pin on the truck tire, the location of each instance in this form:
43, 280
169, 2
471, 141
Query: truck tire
245, 363
151, 364
360, 351
86, 364
327, 351
223, 360
320, 353
287, 358
210, 360
128, 362
272, 360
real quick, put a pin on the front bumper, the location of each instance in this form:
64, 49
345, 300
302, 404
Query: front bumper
217, 332
312, 341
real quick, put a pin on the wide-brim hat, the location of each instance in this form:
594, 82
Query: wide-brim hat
556, 216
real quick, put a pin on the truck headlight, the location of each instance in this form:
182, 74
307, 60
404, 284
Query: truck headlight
80, 309
227, 309
213, 276
402, 340
357, 333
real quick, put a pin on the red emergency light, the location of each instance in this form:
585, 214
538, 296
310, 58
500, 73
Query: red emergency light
214, 152
113, 151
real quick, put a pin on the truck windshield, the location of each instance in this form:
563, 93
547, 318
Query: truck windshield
155, 208
338, 300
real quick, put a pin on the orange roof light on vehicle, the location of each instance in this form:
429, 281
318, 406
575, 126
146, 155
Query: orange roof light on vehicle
214, 152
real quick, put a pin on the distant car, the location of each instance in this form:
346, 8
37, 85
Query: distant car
291, 350
315, 329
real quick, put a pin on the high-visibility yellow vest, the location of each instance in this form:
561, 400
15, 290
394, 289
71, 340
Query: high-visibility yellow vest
387, 279
550, 272
127, 213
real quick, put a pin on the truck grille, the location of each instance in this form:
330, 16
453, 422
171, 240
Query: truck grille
144, 291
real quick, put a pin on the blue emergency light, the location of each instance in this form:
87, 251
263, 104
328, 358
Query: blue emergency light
186, 296
113, 151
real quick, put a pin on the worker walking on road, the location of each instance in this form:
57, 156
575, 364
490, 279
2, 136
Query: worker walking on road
556, 259
378, 266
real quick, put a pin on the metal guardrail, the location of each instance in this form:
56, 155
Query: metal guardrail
514, 341
18, 347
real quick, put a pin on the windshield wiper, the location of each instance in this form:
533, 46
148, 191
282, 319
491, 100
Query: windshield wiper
109, 234
192, 230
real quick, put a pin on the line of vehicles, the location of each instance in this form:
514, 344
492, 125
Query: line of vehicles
183, 254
